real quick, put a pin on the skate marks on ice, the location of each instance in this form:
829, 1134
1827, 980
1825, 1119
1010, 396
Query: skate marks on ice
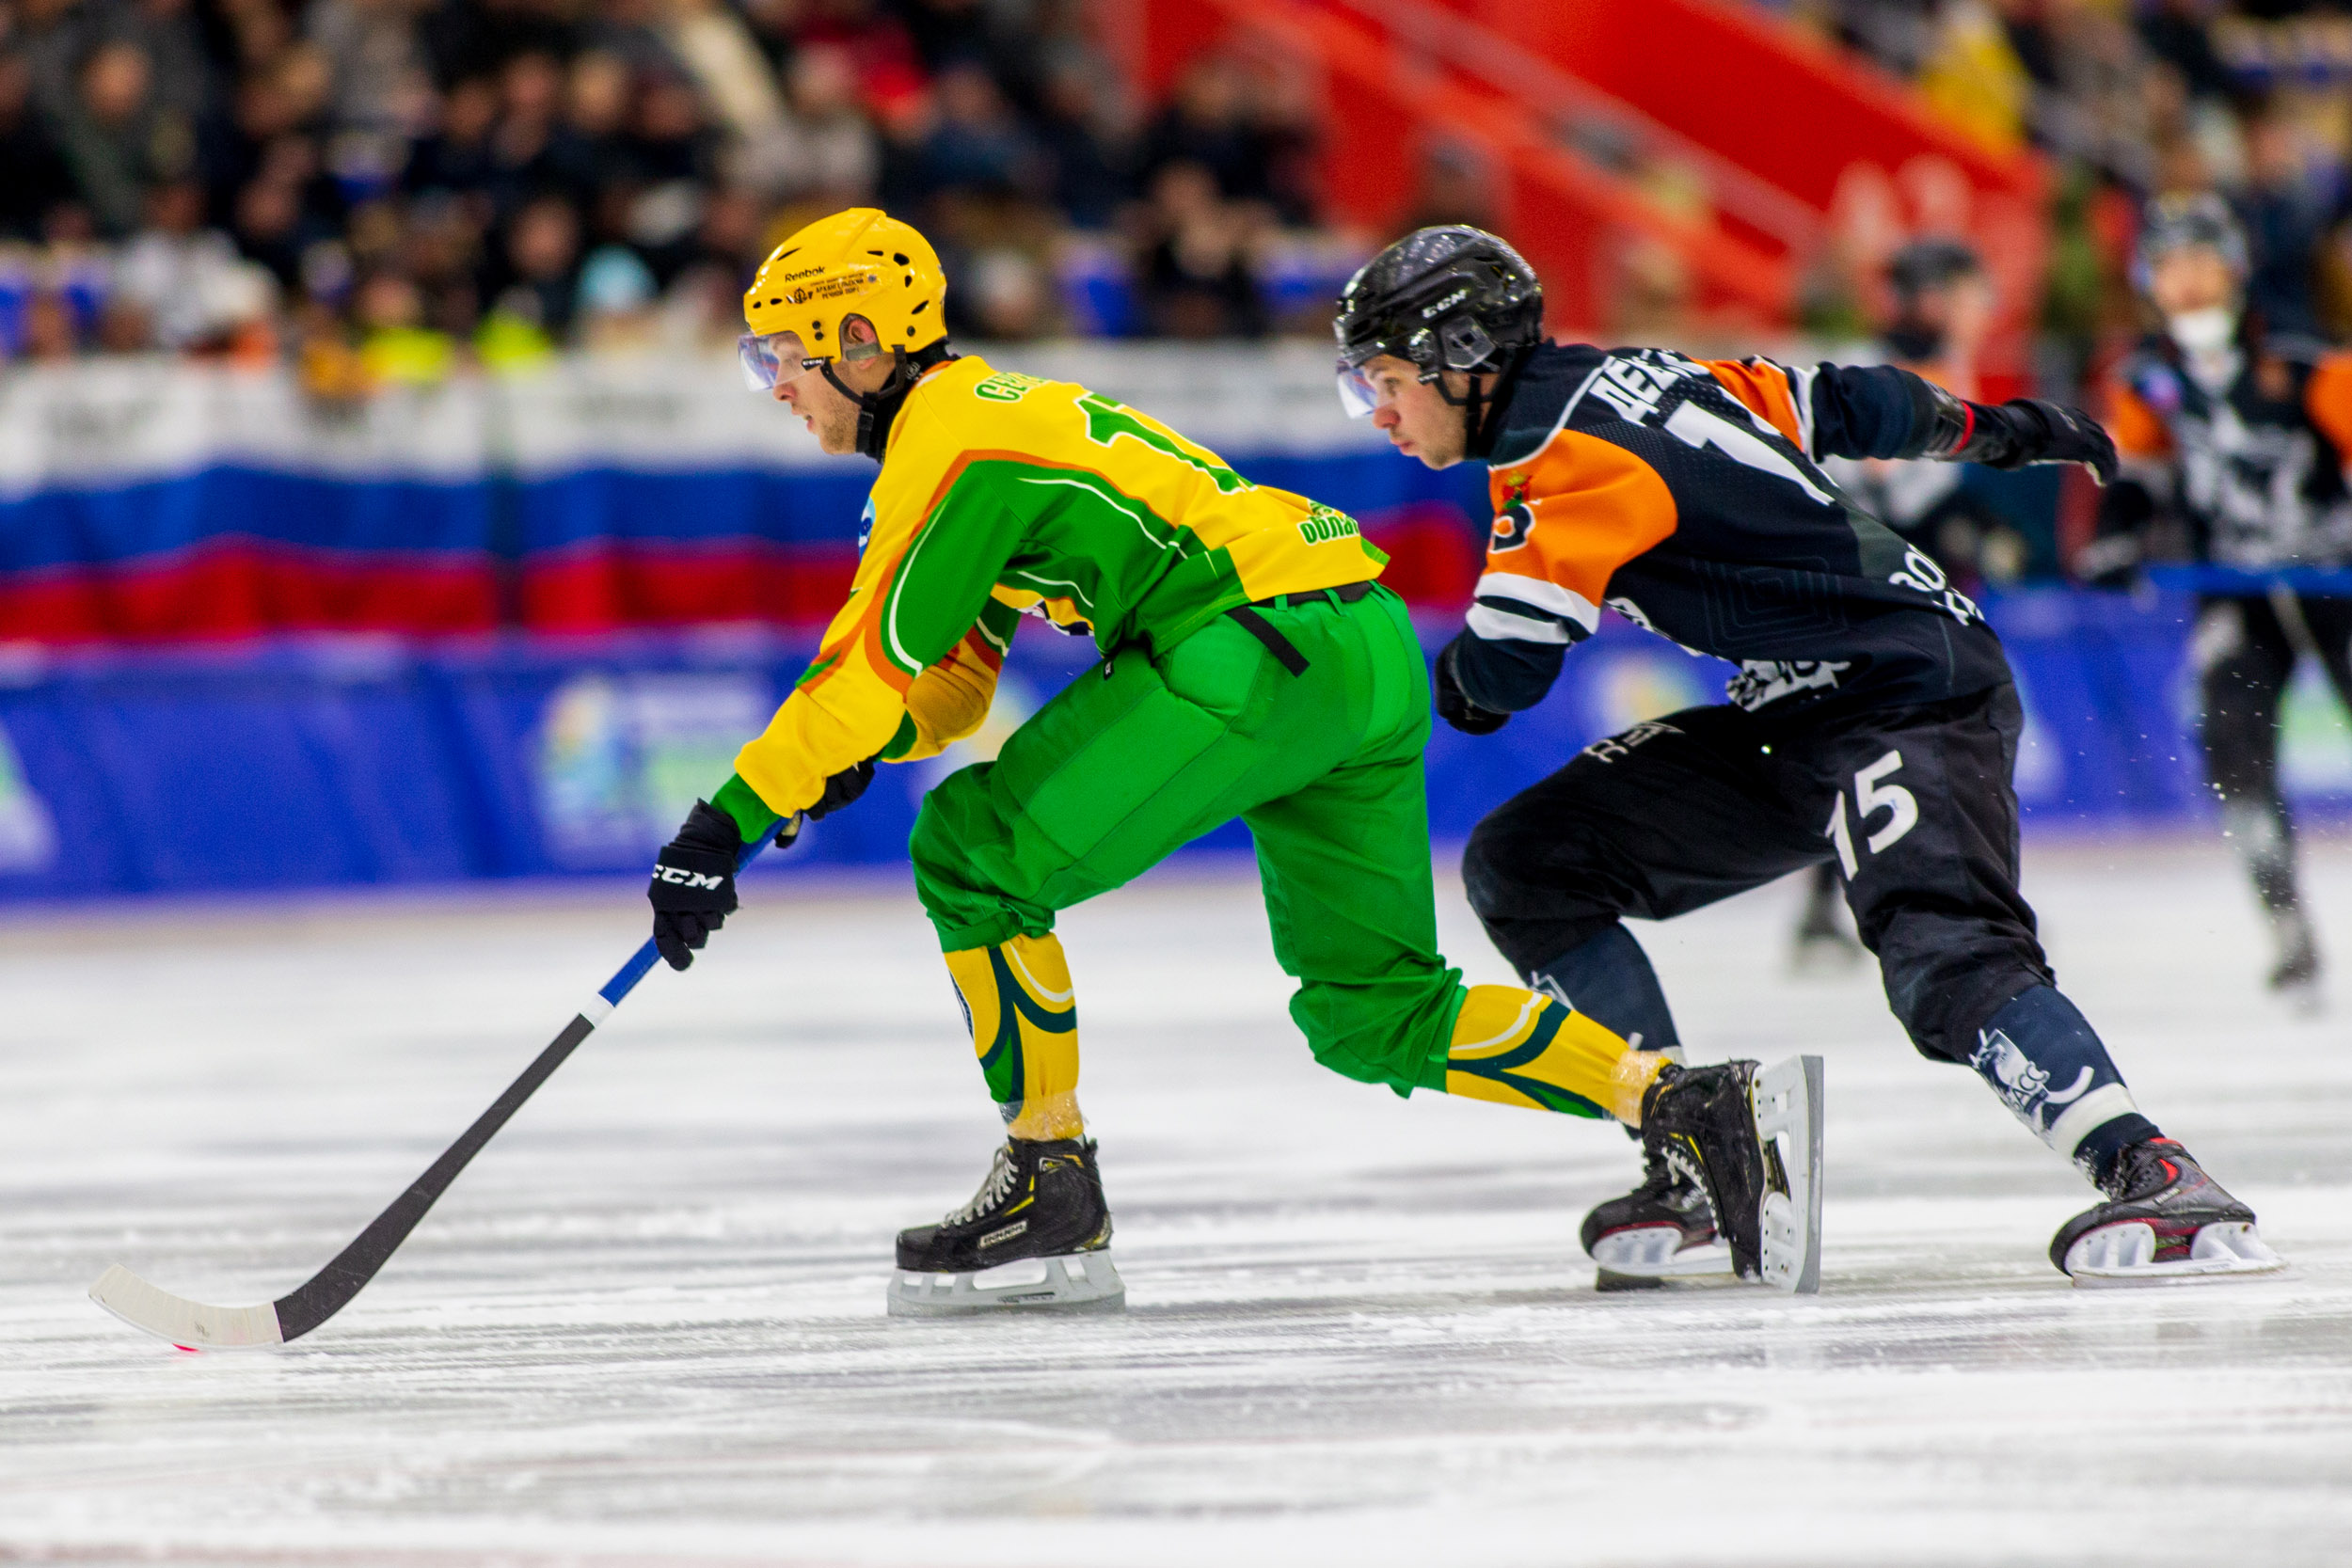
647, 1326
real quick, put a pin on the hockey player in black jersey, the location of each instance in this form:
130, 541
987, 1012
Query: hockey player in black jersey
1872, 720
2243, 435
1943, 308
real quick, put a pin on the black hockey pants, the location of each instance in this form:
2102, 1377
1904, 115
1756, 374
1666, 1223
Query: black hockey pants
2246, 656
1674, 814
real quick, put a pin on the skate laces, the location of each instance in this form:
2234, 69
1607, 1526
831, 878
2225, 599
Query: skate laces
992, 1190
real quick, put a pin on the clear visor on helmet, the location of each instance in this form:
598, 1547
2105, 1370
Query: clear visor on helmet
1361, 392
772, 360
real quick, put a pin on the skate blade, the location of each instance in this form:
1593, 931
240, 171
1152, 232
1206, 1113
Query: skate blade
1787, 1102
2123, 1256
1649, 1256
1078, 1282
2302, 998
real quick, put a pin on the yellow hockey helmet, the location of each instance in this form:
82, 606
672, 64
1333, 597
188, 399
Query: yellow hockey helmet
858, 262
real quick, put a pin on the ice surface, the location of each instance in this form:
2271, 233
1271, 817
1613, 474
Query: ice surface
647, 1326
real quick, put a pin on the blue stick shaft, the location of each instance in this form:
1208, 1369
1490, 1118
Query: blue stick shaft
642, 962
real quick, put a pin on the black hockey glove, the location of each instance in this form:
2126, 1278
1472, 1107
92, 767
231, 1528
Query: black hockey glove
842, 788
693, 881
1456, 707
2025, 431
693, 877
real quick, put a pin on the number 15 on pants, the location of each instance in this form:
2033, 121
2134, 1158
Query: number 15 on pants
1870, 797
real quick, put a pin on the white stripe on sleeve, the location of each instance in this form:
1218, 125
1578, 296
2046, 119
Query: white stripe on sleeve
1543, 593
1500, 625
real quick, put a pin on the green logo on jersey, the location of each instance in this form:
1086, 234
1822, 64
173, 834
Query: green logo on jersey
1006, 387
1322, 525
1106, 422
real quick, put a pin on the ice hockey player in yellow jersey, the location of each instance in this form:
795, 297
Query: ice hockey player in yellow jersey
1252, 667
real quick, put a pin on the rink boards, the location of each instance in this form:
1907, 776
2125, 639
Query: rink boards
334, 761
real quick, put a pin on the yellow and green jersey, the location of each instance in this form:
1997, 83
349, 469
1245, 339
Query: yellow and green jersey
1002, 495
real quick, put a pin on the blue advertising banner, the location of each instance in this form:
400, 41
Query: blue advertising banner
335, 761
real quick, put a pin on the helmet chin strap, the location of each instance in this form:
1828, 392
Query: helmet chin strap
1482, 410
878, 408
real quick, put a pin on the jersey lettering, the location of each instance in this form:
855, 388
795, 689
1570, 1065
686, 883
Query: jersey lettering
1697, 427
1921, 574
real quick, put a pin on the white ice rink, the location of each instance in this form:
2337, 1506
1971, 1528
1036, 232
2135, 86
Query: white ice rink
646, 1327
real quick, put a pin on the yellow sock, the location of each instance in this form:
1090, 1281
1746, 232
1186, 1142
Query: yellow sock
1518, 1048
1018, 998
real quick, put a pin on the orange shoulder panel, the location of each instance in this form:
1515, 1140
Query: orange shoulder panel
2327, 399
1763, 387
2137, 429
1590, 507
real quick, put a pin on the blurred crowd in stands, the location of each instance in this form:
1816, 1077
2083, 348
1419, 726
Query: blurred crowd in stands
382, 189
2134, 99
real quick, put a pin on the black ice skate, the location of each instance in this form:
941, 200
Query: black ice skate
1823, 943
1036, 1235
1751, 1140
2166, 1222
1662, 1230
2296, 977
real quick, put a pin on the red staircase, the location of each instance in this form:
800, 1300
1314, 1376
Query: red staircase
1704, 127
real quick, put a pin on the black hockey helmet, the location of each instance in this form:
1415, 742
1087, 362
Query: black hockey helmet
2173, 223
1935, 262
1449, 299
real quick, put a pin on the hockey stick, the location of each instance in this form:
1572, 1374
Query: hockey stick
191, 1324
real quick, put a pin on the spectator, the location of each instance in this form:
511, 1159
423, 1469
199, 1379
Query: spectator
2284, 218
173, 270
1197, 280
1207, 124
51, 334
456, 156
396, 347
589, 150
976, 142
522, 157
672, 148
1090, 156
839, 156
55, 37
377, 62
1013, 295
114, 140
184, 82
269, 228
441, 254
616, 298
540, 263
38, 179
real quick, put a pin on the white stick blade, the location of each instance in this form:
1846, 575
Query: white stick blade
189, 1324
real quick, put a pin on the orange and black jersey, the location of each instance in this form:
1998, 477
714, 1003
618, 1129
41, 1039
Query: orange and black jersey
2252, 449
1688, 495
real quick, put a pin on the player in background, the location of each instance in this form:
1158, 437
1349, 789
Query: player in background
1873, 719
1943, 310
1252, 667
2243, 435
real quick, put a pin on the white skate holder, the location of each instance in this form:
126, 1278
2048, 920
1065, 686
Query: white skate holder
1655, 1252
1078, 1282
1787, 1102
2124, 1255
